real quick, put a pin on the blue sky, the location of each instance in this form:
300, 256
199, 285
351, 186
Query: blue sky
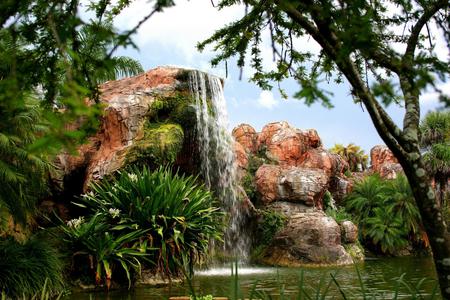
169, 38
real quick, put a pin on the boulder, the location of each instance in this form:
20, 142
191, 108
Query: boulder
240, 155
311, 138
286, 147
339, 187
266, 181
307, 238
332, 164
292, 184
349, 232
269, 130
288, 209
384, 162
246, 135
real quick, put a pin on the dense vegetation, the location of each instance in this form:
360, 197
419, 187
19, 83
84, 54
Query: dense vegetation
143, 219
386, 214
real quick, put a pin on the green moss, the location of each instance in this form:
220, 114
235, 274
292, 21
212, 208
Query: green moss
177, 109
160, 145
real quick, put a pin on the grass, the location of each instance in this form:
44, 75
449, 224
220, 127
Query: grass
25, 268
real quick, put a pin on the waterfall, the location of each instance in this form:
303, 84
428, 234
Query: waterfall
218, 165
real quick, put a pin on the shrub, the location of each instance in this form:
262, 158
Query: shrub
25, 268
386, 213
174, 216
105, 246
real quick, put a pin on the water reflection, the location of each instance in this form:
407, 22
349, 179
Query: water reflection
378, 275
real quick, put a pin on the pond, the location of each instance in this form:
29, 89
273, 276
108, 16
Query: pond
378, 275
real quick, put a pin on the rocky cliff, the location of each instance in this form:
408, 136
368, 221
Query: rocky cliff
287, 171
147, 119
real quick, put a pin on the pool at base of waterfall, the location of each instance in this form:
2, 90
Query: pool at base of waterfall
379, 276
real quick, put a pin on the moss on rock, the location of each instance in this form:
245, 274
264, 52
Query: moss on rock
160, 145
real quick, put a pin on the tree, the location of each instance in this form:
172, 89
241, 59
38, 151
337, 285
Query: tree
353, 154
51, 61
435, 141
385, 52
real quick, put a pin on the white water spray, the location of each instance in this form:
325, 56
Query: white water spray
217, 157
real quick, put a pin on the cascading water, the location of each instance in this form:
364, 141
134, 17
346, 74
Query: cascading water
217, 158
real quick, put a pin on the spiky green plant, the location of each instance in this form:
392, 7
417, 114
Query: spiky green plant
177, 213
107, 246
25, 268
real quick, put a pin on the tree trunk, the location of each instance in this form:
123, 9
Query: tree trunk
432, 219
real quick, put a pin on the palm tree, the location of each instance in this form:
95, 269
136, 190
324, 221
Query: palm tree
435, 142
353, 154
22, 173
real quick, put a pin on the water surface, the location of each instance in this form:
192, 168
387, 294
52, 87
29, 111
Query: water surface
379, 277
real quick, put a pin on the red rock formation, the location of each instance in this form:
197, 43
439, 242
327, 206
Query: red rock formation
286, 147
292, 184
127, 104
240, 155
269, 130
384, 162
246, 135
311, 138
266, 180
331, 163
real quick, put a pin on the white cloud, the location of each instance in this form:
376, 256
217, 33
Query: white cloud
179, 27
432, 97
267, 100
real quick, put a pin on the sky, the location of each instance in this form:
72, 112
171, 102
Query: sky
169, 39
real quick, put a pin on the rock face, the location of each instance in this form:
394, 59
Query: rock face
292, 184
384, 162
246, 135
349, 232
292, 176
130, 104
309, 237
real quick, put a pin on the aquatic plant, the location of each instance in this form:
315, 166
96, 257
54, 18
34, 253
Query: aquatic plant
25, 268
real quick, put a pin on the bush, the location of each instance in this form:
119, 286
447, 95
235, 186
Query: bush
166, 216
386, 213
25, 268
269, 223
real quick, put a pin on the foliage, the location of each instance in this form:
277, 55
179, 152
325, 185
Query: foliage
353, 154
435, 141
51, 60
25, 268
386, 213
105, 246
22, 173
176, 214
339, 214
268, 224
359, 42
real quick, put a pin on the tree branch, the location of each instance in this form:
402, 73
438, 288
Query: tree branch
428, 12
390, 132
